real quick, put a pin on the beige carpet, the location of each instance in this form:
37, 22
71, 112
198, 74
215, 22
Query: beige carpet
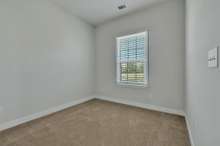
100, 123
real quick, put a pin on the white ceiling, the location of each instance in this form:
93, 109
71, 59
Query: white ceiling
99, 11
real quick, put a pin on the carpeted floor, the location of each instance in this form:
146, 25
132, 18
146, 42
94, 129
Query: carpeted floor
100, 123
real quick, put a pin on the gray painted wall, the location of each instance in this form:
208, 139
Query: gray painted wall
46, 58
166, 22
202, 83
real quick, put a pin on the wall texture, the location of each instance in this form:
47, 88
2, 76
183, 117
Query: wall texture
166, 23
202, 83
46, 58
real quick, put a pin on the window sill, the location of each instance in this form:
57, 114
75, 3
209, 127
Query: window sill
132, 85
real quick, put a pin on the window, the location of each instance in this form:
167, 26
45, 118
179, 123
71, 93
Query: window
132, 59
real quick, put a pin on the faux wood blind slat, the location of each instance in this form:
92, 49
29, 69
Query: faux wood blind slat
132, 58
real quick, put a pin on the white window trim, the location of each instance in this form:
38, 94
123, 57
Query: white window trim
146, 62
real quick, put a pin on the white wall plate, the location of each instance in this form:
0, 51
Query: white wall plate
213, 58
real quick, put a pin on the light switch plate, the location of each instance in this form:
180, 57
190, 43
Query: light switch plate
213, 58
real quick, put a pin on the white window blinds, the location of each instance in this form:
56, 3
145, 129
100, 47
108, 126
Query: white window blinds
132, 59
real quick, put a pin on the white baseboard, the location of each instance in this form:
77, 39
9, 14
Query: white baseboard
22, 120
49, 111
142, 105
152, 107
189, 131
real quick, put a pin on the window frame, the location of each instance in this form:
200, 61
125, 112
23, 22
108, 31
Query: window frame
145, 61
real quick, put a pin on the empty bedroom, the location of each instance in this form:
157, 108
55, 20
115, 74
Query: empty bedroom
109, 73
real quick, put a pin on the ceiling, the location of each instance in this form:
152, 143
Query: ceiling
99, 11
